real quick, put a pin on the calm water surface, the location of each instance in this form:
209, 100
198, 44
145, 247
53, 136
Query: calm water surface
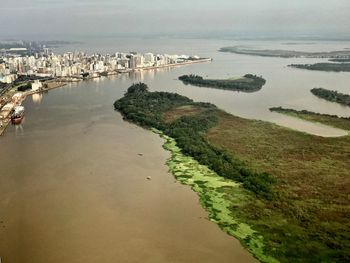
73, 186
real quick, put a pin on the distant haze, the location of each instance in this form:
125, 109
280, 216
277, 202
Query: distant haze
189, 18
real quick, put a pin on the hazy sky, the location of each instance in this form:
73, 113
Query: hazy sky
181, 17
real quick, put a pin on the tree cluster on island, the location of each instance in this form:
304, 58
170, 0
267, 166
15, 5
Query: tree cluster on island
248, 83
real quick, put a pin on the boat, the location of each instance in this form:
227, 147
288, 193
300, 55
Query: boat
17, 115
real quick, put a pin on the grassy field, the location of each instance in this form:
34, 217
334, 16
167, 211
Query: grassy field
331, 120
300, 216
311, 214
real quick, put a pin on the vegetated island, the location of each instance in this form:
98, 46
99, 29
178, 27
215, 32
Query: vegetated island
285, 53
327, 119
247, 83
332, 95
335, 67
282, 193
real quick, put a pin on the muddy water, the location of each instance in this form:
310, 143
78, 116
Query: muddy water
73, 188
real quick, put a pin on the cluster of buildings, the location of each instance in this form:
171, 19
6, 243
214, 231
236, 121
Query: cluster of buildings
80, 64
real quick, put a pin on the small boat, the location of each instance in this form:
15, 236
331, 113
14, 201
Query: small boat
17, 115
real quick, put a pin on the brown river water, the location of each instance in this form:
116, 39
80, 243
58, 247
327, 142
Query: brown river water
73, 184
73, 188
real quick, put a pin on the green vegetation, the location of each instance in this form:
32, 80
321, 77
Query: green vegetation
336, 67
283, 193
331, 120
248, 83
308, 221
284, 53
332, 95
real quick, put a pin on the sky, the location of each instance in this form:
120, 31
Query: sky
216, 18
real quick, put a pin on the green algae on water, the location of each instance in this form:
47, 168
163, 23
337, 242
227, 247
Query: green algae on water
211, 189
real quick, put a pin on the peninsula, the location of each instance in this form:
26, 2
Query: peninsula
247, 83
274, 189
327, 119
332, 96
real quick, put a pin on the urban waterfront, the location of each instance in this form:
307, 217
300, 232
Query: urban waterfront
86, 161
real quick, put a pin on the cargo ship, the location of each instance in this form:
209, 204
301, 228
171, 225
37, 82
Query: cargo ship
17, 115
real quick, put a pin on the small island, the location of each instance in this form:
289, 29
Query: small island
334, 67
332, 95
247, 83
327, 119
281, 192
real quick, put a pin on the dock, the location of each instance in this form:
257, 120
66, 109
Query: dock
10, 101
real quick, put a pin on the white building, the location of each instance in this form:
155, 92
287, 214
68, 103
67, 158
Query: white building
36, 85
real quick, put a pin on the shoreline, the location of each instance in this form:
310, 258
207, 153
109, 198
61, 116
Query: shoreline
124, 71
208, 186
202, 60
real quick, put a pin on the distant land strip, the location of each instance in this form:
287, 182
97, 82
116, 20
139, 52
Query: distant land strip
335, 67
285, 53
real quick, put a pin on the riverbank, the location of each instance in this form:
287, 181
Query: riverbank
294, 186
209, 186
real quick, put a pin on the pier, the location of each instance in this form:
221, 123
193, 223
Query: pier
13, 98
